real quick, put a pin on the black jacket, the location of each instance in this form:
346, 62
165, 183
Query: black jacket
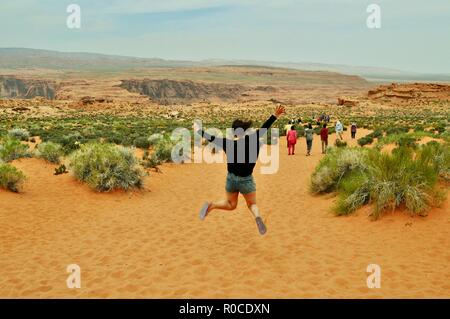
243, 153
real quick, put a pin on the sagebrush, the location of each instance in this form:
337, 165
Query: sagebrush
106, 167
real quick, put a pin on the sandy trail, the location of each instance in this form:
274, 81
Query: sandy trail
151, 244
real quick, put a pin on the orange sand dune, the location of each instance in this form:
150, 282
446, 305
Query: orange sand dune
151, 244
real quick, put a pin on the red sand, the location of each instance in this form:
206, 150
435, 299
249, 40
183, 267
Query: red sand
151, 244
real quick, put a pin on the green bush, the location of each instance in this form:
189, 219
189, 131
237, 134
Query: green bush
50, 151
365, 140
19, 134
406, 140
12, 149
71, 142
399, 178
150, 161
163, 149
334, 166
353, 193
439, 155
106, 167
141, 142
376, 134
11, 178
407, 177
340, 143
154, 139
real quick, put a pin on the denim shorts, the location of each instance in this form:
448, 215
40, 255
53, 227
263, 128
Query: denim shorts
243, 185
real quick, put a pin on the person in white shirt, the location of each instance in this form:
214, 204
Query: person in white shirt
339, 130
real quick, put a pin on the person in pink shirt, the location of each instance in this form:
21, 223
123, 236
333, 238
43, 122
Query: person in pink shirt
291, 140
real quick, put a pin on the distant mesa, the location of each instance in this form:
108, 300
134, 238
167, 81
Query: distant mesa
172, 91
12, 87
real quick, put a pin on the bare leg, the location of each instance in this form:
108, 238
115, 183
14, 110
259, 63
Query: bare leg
251, 204
226, 204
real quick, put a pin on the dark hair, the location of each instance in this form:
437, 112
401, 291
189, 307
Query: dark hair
241, 124
293, 127
325, 125
309, 126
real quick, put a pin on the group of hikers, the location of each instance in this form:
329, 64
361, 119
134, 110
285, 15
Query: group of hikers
239, 178
292, 136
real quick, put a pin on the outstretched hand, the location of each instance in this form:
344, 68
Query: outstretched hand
279, 111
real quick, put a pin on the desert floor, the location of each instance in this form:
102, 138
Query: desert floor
151, 243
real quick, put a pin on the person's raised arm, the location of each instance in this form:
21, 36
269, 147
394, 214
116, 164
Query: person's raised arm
278, 112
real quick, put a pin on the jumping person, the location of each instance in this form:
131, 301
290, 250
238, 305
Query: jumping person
309, 133
291, 140
240, 178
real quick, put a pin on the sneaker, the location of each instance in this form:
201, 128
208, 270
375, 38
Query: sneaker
261, 227
204, 211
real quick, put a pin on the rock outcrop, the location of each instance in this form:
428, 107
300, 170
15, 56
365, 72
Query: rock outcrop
12, 87
171, 91
410, 93
89, 100
344, 101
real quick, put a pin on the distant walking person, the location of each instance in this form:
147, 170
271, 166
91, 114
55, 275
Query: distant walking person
339, 130
309, 133
324, 138
240, 173
291, 140
353, 130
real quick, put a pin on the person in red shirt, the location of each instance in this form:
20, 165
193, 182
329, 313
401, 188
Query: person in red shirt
324, 138
291, 140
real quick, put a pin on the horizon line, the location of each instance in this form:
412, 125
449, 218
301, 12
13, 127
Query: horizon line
229, 60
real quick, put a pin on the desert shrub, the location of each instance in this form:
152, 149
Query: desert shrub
50, 151
406, 177
365, 140
163, 150
106, 167
11, 178
354, 192
11, 149
396, 130
399, 178
150, 161
441, 128
334, 166
154, 139
340, 143
61, 169
439, 156
376, 134
19, 134
71, 142
141, 142
406, 140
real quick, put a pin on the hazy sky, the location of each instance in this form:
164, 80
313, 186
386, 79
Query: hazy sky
414, 35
